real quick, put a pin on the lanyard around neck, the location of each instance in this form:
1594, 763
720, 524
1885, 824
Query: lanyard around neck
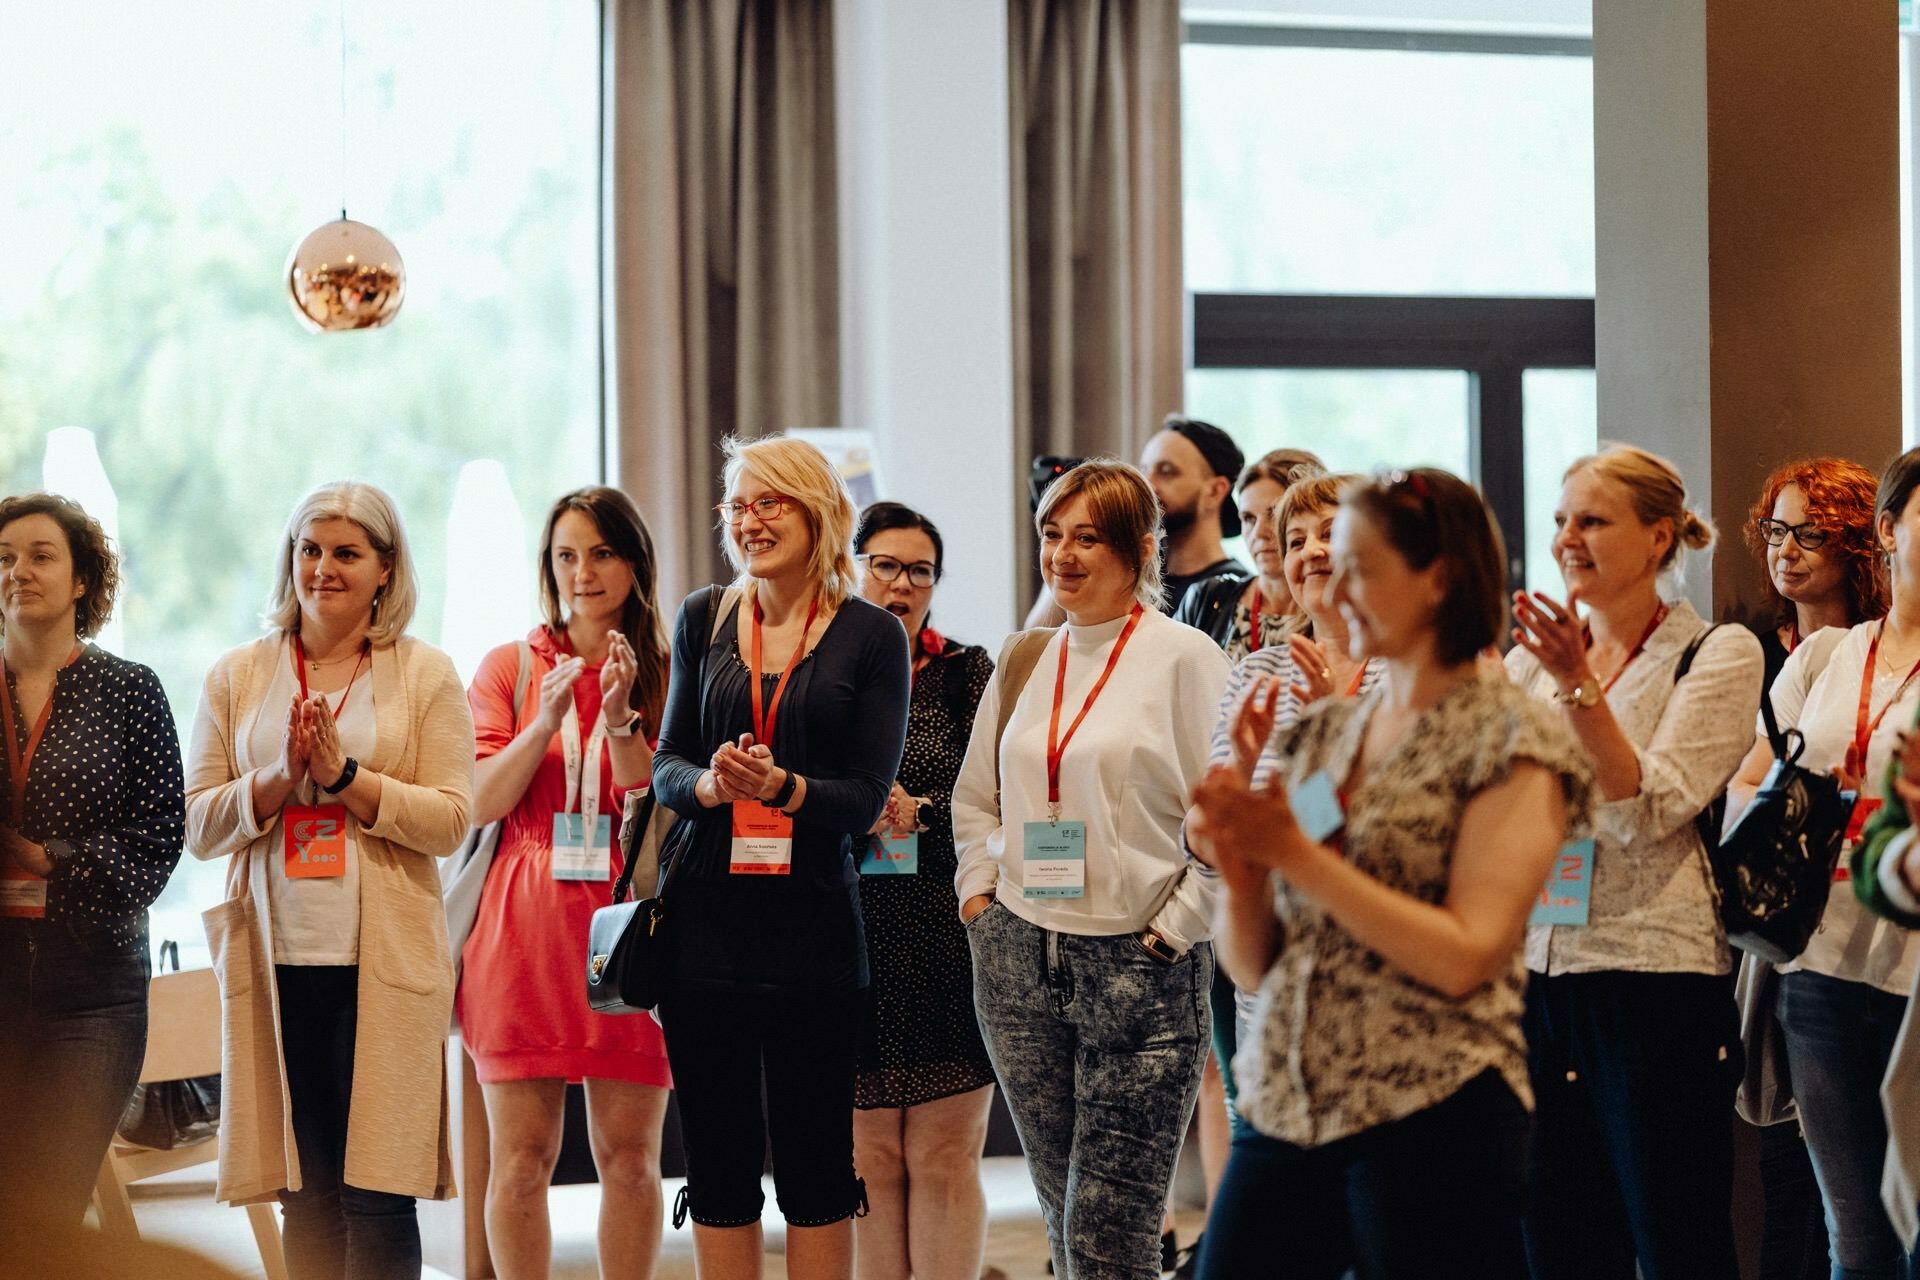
1863, 728
18, 762
1057, 745
764, 720
1659, 616
300, 667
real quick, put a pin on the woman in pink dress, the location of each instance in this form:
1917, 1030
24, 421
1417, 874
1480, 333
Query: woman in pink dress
591, 711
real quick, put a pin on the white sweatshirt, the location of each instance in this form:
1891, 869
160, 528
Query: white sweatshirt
1127, 774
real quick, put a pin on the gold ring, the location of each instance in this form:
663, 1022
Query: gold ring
1326, 673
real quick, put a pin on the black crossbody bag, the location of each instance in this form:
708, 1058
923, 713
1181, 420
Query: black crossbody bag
630, 944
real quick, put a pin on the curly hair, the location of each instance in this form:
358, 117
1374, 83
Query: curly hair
94, 560
1840, 499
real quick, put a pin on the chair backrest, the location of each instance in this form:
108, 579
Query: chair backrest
183, 1026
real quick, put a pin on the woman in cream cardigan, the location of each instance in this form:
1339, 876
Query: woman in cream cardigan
333, 759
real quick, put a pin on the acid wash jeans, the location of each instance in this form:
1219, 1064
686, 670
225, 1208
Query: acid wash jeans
1098, 1047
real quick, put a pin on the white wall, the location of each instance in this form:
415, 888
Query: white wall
926, 269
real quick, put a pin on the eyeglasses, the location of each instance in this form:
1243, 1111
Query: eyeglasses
920, 573
1810, 536
771, 507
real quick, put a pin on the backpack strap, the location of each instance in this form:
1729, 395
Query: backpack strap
1017, 662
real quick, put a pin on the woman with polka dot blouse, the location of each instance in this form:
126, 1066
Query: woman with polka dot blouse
91, 817
332, 759
925, 1081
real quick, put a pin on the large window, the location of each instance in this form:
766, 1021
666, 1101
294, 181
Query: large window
154, 176
1389, 239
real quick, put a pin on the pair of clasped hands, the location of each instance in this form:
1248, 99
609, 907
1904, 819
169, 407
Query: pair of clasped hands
744, 770
310, 744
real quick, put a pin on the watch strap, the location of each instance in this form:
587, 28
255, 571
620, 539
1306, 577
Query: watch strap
627, 729
345, 779
784, 795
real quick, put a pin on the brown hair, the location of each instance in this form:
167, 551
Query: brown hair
1311, 495
1656, 492
1282, 466
1122, 507
619, 523
1897, 484
94, 560
1428, 516
1840, 499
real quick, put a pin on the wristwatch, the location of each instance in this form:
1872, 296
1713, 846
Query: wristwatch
1586, 695
628, 729
1157, 947
784, 796
58, 850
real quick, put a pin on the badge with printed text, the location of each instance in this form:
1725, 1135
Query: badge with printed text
23, 895
575, 857
1053, 860
1317, 808
891, 856
762, 840
316, 840
1567, 896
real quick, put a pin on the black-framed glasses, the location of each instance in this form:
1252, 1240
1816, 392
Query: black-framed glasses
1810, 536
920, 573
770, 507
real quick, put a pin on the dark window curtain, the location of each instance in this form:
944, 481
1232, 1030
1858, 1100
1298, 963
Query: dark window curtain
721, 226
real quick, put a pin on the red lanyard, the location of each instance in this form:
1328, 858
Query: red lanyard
1358, 676
1057, 745
18, 764
1253, 622
300, 666
763, 721
1862, 727
1659, 616
1793, 637
932, 645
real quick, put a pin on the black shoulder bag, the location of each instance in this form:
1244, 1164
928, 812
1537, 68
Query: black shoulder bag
1773, 871
629, 946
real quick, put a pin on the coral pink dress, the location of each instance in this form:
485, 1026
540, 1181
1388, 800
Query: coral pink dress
522, 1000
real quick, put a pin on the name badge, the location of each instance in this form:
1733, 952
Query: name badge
1053, 861
762, 840
23, 895
575, 857
316, 840
886, 856
1317, 808
1567, 896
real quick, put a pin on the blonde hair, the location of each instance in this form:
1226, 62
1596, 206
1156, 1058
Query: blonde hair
1656, 492
373, 511
1311, 495
799, 471
1122, 507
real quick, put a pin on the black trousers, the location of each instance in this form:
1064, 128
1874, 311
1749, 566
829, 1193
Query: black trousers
333, 1231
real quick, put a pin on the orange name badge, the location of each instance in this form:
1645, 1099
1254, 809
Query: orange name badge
316, 840
762, 840
23, 895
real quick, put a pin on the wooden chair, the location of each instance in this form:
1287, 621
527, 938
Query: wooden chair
183, 1040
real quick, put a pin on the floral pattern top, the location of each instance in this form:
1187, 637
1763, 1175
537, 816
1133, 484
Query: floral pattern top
1343, 1040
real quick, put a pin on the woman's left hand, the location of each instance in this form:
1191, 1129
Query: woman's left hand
617, 675
326, 760
18, 851
1252, 824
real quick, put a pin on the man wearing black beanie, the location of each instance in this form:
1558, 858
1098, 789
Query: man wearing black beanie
1192, 466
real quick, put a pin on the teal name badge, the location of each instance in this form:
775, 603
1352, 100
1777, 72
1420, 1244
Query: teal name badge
887, 856
1567, 897
577, 858
1053, 863
1316, 807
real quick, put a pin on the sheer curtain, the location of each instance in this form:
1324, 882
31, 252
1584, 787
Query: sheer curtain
723, 292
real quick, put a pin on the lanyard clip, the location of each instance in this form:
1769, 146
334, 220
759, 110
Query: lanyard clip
1053, 813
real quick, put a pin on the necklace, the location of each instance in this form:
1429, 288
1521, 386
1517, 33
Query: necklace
314, 664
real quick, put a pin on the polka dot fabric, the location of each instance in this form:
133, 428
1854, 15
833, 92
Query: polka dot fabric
106, 778
922, 1039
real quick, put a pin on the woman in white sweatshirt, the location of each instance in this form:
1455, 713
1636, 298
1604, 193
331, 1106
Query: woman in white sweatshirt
1088, 922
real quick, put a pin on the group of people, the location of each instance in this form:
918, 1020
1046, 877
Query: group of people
904, 872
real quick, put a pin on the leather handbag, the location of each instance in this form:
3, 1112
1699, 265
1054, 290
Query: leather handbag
629, 944
168, 1114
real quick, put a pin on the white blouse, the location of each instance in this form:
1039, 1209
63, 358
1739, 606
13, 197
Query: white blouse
1653, 901
1127, 774
1818, 692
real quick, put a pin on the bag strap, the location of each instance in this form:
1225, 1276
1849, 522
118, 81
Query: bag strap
1017, 662
718, 604
169, 949
521, 681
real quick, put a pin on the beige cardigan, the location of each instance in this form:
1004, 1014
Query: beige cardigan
397, 1138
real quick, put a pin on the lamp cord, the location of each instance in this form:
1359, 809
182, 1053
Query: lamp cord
343, 110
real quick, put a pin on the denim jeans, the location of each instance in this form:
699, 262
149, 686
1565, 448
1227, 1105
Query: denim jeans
333, 1231
1793, 1240
1633, 1080
1372, 1202
1098, 1047
1839, 1036
73, 1032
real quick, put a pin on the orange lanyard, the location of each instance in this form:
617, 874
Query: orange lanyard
17, 763
1358, 676
763, 721
300, 666
1057, 745
1862, 727
1253, 622
1659, 616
